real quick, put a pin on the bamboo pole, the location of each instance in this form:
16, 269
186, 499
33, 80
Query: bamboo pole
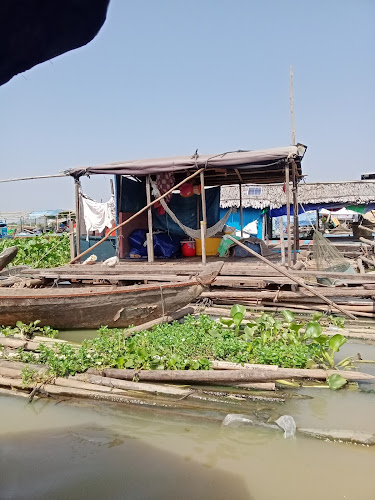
77, 185
203, 242
368, 230
135, 215
150, 239
371, 262
295, 213
34, 178
280, 373
282, 241
71, 240
164, 319
241, 210
230, 376
360, 266
293, 278
296, 308
369, 242
204, 217
292, 108
287, 194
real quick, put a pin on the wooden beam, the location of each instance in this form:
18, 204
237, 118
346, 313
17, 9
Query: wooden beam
238, 175
204, 217
150, 239
71, 240
77, 186
241, 210
295, 213
287, 194
282, 241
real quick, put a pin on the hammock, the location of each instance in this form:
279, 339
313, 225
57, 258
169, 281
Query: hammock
193, 233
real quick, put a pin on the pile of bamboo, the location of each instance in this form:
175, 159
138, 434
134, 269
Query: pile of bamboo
297, 289
358, 300
227, 383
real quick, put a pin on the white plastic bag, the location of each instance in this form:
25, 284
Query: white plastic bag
236, 420
288, 425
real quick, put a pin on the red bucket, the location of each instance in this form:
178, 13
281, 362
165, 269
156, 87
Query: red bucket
188, 248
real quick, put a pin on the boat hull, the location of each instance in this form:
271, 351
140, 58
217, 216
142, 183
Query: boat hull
92, 307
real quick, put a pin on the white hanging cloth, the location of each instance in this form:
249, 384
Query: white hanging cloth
97, 215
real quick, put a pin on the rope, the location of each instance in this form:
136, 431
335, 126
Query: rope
193, 233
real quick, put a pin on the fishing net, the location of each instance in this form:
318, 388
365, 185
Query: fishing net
326, 255
328, 258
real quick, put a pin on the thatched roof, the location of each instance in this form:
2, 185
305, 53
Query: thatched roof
273, 196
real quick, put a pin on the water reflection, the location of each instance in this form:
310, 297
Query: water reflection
80, 449
98, 463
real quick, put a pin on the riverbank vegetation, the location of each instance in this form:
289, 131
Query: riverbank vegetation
191, 345
39, 251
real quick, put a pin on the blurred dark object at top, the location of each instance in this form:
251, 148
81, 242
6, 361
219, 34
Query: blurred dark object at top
34, 31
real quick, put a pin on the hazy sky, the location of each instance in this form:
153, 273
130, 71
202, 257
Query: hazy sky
166, 77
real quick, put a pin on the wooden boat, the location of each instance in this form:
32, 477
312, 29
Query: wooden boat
70, 307
7, 256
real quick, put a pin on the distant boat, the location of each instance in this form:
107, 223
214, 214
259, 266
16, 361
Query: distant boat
76, 307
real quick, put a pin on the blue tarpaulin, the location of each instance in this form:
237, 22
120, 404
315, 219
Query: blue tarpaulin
133, 195
186, 211
249, 215
278, 212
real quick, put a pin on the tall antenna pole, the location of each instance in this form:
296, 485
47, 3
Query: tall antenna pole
292, 108
294, 178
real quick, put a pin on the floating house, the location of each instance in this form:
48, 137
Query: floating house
180, 196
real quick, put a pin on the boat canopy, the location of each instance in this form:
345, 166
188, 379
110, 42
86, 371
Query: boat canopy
266, 165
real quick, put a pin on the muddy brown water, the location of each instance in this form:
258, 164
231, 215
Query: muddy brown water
81, 450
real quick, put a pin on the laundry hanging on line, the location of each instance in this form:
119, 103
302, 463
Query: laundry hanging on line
97, 215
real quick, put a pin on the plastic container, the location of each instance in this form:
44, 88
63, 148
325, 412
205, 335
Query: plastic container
188, 248
212, 245
241, 252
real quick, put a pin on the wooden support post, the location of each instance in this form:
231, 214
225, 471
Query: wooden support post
241, 210
287, 194
295, 212
198, 211
77, 185
150, 240
317, 219
204, 217
282, 241
71, 239
203, 241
